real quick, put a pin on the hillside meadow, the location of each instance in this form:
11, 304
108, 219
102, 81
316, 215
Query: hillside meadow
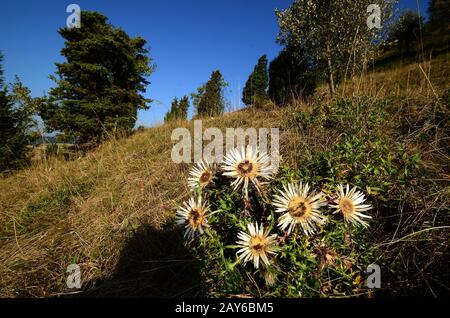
111, 210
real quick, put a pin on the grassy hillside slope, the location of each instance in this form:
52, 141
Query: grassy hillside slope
106, 211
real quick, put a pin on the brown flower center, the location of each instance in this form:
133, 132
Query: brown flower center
258, 244
346, 206
205, 177
299, 207
195, 217
245, 167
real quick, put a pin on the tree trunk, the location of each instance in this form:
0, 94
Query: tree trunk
331, 77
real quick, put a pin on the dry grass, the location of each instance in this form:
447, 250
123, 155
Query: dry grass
426, 79
105, 211
105, 194
84, 211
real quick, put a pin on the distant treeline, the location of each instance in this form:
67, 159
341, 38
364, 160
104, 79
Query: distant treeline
319, 45
100, 85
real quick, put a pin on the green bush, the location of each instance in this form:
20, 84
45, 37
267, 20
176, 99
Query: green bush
368, 163
365, 152
350, 116
331, 262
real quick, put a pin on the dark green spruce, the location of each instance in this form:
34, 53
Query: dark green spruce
100, 85
255, 90
209, 99
291, 76
15, 123
178, 110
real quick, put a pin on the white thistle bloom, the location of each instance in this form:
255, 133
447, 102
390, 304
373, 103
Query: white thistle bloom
247, 165
256, 245
201, 175
193, 215
299, 207
350, 204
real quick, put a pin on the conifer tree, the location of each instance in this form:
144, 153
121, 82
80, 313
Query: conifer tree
439, 13
100, 84
255, 90
291, 76
184, 107
172, 113
209, 99
178, 109
406, 30
15, 119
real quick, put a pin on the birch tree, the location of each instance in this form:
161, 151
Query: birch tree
336, 34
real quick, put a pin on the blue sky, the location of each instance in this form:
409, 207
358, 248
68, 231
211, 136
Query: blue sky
188, 39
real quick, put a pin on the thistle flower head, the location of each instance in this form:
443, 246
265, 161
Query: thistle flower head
245, 166
194, 216
300, 207
351, 204
202, 175
256, 245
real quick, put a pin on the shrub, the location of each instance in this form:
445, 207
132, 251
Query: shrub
397, 154
328, 261
364, 152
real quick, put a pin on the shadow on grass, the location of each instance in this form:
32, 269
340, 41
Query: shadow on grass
153, 263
